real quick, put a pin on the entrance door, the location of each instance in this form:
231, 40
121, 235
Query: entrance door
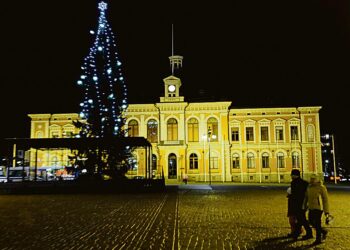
172, 167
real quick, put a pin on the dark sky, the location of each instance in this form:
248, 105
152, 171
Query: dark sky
254, 53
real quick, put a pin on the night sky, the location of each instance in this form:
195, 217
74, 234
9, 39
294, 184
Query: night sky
253, 53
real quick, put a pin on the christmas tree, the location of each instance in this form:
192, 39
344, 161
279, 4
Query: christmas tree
105, 102
105, 93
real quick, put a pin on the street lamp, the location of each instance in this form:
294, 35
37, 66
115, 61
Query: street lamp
210, 136
204, 137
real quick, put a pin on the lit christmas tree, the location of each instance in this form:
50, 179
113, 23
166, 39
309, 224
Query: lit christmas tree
105, 93
104, 105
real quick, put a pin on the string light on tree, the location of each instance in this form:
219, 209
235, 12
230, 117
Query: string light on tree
105, 93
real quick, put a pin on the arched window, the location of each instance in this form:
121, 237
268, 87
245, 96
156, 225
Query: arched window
295, 160
310, 133
193, 161
250, 160
213, 127
280, 160
192, 128
235, 161
133, 128
172, 129
265, 160
152, 130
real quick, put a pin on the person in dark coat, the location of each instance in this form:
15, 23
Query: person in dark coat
298, 190
291, 216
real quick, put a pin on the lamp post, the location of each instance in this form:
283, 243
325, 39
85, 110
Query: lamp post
204, 137
209, 137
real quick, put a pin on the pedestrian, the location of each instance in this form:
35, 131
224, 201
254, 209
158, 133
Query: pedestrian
315, 193
185, 179
298, 190
291, 216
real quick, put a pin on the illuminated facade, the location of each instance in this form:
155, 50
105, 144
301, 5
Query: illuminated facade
239, 145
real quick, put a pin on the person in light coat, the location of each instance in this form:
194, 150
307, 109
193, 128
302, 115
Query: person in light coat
316, 200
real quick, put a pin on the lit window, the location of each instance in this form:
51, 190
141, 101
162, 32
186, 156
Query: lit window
249, 133
250, 160
279, 133
213, 126
192, 127
235, 134
294, 133
265, 160
264, 132
152, 130
280, 160
295, 160
235, 161
172, 129
133, 128
193, 161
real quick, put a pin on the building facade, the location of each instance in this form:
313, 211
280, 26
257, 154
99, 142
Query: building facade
208, 141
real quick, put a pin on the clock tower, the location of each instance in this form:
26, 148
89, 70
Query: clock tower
172, 83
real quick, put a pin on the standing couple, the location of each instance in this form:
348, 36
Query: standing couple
304, 196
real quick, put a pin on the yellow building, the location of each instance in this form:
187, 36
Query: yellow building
208, 141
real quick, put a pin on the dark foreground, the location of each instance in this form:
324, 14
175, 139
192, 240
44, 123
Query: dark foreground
191, 217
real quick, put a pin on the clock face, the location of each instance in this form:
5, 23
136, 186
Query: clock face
171, 88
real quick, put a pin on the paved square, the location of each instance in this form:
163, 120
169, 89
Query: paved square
191, 217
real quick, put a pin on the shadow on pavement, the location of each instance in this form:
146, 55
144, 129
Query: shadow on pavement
282, 242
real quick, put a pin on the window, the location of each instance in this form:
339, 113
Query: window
264, 132
279, 133
235, 161
68, 134
133, 128
249, 133
213, 126
294, 133
172, 129
193, 130
295, 160
235, 134
214, 162
193, 161
265, 160
280, 160
55, 134
152, 130
250, 160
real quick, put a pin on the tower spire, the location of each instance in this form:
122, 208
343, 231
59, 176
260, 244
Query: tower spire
175, 60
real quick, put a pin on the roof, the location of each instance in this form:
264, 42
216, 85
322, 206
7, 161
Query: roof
76, 143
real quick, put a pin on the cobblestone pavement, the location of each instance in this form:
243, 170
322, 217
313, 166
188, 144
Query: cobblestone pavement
191, 217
